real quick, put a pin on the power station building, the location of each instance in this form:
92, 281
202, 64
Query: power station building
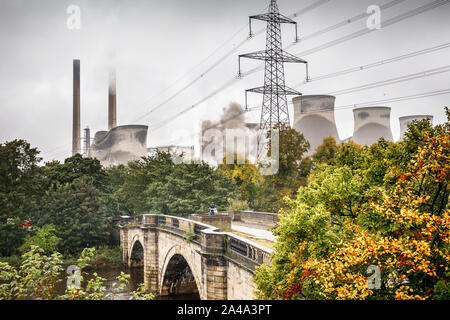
314, 118
118, 145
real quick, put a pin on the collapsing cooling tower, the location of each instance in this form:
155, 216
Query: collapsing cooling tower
314, 118
371, 124
405, 121
120, 145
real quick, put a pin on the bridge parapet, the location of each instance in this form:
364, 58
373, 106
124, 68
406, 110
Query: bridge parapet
247, 252
225, 258
234, 247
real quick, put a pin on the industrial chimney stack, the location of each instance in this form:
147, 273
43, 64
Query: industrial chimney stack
76, 133
112, 117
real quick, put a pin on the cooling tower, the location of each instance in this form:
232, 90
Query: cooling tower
314, 118
371, 124
120, 145
405, 121
112, 106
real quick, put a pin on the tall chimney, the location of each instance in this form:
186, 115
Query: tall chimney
112, 117
87, 141
76, 132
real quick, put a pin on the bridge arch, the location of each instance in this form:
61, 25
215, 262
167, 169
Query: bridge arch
179, 276
136, 256
218, 265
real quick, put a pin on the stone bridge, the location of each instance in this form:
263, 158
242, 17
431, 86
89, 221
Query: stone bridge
182, 256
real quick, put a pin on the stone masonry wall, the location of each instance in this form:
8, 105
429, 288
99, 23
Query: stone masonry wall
239, 283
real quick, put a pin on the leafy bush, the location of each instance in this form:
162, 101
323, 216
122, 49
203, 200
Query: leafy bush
38, 274
45, 238
237, 205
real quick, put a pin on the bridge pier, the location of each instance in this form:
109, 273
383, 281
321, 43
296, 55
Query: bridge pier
214, 269
214, 265
151, 263
124, 244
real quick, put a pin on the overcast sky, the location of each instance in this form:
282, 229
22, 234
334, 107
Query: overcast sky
159, 46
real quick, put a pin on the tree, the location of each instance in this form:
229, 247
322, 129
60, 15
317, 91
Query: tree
20, 191
292, 147
158, 185
74, 168
326, 152
369, 209
292, 173
413, 253
137, 177
246, 176
190, 188
79, 212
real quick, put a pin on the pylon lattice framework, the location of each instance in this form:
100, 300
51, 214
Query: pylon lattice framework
274, 106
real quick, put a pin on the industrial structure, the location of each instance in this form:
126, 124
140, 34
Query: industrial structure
112, 101
226, 138
87, 141
405, 121
274, 107
372, 123
76, 129
314, 118
118, 145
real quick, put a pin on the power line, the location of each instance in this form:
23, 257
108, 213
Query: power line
224, 57
309, 8
364, 31
345, 22
60, 153
212, 94
343, 107
389, 22
404, 78
187, 73
376, 64
398, 99
375, 102
386, 23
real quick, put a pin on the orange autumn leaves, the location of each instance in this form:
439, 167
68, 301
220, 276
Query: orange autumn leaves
412, 255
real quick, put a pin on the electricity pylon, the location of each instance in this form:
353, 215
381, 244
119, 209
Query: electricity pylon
274, 107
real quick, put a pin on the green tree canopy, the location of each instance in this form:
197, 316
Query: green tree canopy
79, 212
20, 191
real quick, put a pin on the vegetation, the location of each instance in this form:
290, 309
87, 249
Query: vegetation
80, 199
237, 205
292, 173
158, 185
345, 210
38, 275
383, 206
